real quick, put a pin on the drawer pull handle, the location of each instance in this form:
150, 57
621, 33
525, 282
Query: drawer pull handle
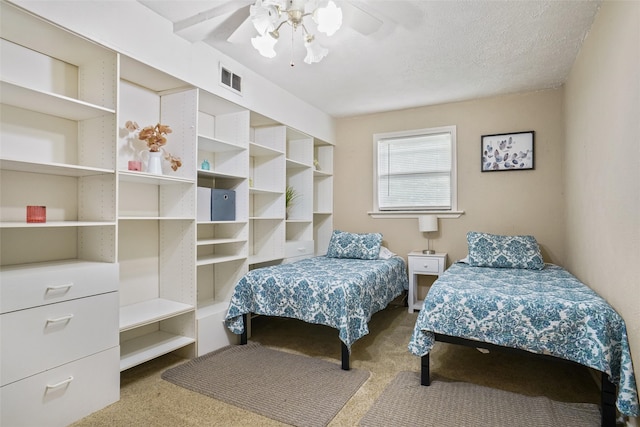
300, 249
54, 288
61, 383
61, 319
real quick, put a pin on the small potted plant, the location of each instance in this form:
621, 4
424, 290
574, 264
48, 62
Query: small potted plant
290, 197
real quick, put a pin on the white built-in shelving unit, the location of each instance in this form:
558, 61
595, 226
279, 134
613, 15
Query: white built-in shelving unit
267, 178
58, 279
156, 218
322, 196
299, 217
222, 246
124, 269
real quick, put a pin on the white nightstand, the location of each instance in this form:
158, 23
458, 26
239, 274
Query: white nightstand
424, 264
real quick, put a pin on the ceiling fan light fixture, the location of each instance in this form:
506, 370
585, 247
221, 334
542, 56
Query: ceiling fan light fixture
275, 34
268, 16
265, 45
328, 19
264, 16
315, 51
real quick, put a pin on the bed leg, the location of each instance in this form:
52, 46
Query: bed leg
608, 402
345, 356
244, 335
424, 370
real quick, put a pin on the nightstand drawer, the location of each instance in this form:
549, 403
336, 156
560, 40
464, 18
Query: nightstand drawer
425, 265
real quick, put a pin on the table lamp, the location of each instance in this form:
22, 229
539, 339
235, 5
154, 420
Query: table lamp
427, 224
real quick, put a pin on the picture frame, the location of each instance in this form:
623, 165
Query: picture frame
507, 151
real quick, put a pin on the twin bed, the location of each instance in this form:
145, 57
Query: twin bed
343, 289
502, 297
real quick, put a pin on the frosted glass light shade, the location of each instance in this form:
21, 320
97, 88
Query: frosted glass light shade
263, 16
315, 52
265, 44
329, 18
427, 223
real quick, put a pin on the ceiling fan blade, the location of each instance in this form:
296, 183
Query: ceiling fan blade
359, 19
403, 13
238, 24
241, 32
199, 26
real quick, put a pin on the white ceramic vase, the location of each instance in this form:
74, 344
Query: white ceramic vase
154, 165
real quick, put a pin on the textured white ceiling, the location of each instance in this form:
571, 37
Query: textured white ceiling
424, 53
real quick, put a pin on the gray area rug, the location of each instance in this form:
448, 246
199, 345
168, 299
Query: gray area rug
294, 389
404, 402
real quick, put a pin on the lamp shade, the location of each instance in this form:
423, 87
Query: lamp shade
427, 223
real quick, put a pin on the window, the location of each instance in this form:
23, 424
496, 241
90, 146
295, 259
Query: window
415, 171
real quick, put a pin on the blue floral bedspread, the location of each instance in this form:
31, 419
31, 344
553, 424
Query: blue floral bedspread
545, 311
340, 293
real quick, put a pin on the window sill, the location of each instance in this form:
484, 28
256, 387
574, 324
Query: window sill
414, 214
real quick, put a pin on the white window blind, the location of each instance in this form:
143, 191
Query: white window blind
415, 171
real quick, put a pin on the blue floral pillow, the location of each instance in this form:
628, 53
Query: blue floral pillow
354, 245
491, 250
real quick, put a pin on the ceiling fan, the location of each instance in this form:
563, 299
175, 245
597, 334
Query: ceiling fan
231, 21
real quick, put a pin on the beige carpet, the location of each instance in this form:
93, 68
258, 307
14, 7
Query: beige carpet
298, 390
457, 404
148, 400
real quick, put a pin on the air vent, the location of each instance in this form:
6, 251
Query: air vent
230, 80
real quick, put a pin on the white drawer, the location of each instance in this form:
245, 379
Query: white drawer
33, 285
299, 248
425, 265
60, 396
45, 337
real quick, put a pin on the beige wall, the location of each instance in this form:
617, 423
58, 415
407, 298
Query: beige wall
582, 201
515, 202
602, 164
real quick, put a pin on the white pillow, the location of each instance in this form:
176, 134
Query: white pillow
385, 253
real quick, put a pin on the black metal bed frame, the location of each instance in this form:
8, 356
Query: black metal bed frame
344, 351
607, 393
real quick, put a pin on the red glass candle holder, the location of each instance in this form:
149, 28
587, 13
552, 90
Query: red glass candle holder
135, 165
36, 214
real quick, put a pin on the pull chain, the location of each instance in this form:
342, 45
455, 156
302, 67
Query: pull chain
293, 30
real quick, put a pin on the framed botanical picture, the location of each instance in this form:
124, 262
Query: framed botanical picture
507, 151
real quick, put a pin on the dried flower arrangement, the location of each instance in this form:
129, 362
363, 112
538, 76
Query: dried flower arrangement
156, 138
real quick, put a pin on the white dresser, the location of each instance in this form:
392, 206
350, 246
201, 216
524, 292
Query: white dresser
59, 338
